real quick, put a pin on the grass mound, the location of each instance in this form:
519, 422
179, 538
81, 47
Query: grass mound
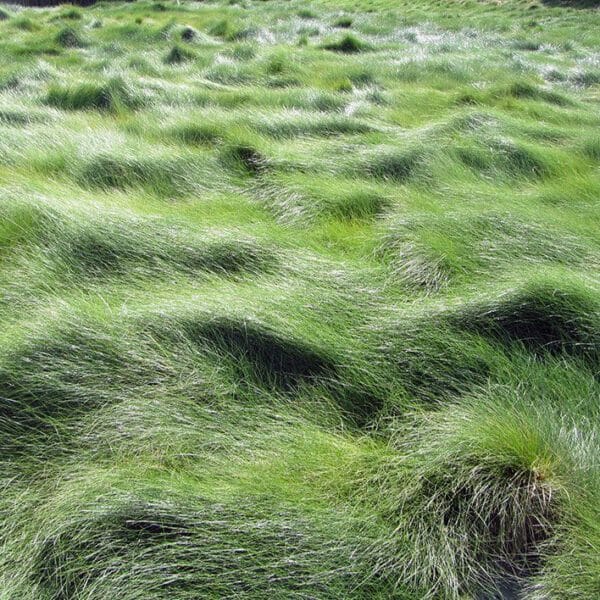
178, 55
162, 175
343, 22
196, 134
434, 364
68, 37
485, 482
120, 543
393, 164
542, 316
325, 126
349, 44
299, 300
526, 90
433, 253
274, 358
297, 198
112, 96
244, 158
114, 249
45, 387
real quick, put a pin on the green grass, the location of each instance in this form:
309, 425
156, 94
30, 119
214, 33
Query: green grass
300, 300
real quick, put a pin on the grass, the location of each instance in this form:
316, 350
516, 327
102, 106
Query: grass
114, 96
349, 44
299, 300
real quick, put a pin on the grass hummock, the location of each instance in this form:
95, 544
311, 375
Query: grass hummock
299, 300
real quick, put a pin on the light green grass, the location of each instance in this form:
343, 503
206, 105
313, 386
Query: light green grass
300, 300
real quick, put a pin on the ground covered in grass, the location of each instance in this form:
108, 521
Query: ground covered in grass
300, 300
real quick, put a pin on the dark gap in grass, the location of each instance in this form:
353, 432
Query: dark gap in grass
43, 3
584, 4
188, 34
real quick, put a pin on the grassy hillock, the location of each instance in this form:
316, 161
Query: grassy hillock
300, 300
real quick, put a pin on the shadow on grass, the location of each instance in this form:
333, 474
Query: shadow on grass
572, 3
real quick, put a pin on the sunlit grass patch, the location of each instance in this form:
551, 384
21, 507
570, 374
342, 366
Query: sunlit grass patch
299, 300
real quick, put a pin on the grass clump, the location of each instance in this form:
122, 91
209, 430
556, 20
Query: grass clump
393, 164
274, 358
299, 301
162, 175
196, 134
343, 22
526, 90
24, 23
72, 14
305, 13
113, 96
68, 37
178, 55
349, 44
243, 158
114, 249
489, 482
543, 317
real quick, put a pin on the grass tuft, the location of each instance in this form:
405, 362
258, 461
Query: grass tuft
113, 96
542, 317
68, 37
343, 22
243, 158
349, 44
299, 300
178, 55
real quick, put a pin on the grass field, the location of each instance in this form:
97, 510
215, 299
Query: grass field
300, 300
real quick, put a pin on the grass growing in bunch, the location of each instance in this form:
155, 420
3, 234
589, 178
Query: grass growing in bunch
299, 300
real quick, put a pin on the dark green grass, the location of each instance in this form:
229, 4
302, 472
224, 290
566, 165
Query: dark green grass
349, 44
112, 96
299, 300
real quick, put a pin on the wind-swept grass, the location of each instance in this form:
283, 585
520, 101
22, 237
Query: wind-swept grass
113, 95
299, 300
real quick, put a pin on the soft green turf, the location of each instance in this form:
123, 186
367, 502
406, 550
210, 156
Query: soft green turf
300, 300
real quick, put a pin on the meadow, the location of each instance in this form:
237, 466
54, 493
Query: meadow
300, 300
